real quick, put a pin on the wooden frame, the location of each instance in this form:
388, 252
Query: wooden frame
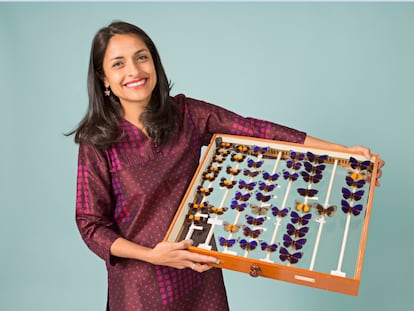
275, 216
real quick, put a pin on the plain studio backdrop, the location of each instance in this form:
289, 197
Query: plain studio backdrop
340, 71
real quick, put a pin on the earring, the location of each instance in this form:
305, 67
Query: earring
107, 91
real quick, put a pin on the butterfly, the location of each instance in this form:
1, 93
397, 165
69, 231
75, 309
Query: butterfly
279, 213
245, 185
222, 151
265, 187
263, 198
347, 208
237, 157
358, 183
314, 179
261, 150
296, 156
253, 164
201, 206
232, 171
329, 211
357, 165
259, 210
217, 210
209, 176
296, 219
247, 172
238, 206
356, 176
204, 191
291, 258
247, 231
318, 169
197, 219
307, 192
227, 183
242, 197
293, 165
225, 145
270, 177
304, 207
294, 244
231, 227
242, 148
269, 247
348, 194
292, 177
298, 233
227, 243
215, 169
316, 159
218, 159
255, 221
248, 246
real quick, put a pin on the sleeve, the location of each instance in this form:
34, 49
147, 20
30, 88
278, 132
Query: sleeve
94, 202
210, 119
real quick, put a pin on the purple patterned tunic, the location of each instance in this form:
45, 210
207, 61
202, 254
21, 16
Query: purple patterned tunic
133, 189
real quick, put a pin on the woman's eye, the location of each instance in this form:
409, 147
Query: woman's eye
117, 64
142, 57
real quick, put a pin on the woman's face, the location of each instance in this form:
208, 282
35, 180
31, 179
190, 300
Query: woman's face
129, 70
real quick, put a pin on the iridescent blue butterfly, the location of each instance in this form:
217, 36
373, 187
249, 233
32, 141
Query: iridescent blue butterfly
279, 213
242, 197
265, 187
238, 206
355, 164
318, 169
347, 208
359, 183
293, 164
297, 232
261, 150
269, 247
348, 194
296, 219
316, 159
294, 244
296, 156
245, 185
292, 177
247, 172
314, 179
253, 233
270, 177
291, 258
255, 221
248, 246
307, 192
254, 164
225, 242
263, 198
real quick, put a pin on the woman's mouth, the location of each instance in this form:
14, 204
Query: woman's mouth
136, 83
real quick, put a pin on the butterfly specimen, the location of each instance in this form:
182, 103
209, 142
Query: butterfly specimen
227, 183
237, 157
217, 210
204, 191
225, 145
269, 247
247, 172
231, 227
297, 219
279, 212
214, 169
313, 179
242, 197
197, 219
232, 171
294, 244
238, 206
347, 208
293, 164
259, 210
292, 177
254, 164
357, 165
227, 243
223, 152
270, 177
296, 156
357, 183
209, 176
307, 192
348, 194
293, 258
297, 232
248, 246
218, 159
356, 176
260, 150
253, 233
316, 159
304, 207
255, 221
266, 187
199, 207
263, 198
318, 169
329, 211
242, 148
245, 185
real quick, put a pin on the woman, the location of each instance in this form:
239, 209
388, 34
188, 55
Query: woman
139, 148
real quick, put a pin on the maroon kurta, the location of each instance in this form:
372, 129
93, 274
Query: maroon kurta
133, 189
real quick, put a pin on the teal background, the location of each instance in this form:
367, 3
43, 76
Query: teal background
340, 71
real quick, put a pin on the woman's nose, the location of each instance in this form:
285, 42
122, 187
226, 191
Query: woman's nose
133, 69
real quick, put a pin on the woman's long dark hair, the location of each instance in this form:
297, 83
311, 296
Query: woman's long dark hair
100, 126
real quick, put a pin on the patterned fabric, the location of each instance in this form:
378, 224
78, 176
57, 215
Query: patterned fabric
133, 189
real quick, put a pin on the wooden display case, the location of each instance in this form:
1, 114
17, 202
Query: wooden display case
280, 210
